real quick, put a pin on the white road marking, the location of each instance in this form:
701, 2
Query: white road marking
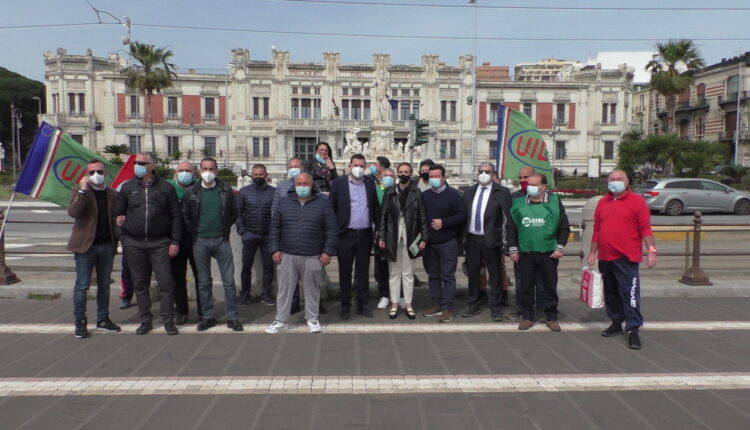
396, 328
40, 211
349, 384
18, 245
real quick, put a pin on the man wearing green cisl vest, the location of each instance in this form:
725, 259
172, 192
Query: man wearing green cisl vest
542, 231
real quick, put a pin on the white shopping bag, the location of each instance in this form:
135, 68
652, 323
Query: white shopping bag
592, 289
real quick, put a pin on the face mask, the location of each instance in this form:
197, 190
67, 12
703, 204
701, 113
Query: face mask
616, 186
358, 172
523, 185
532, 190
373, 170
425, 175
435, 183
185, 178
140, 171
294, 171
388, 181
97, 179
303, 192
320, 159
484, 178
259, 182
404, 178
208, 177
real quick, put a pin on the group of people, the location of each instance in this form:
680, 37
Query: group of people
315, 215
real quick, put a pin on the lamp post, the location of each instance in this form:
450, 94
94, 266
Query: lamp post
553, 133
192, 127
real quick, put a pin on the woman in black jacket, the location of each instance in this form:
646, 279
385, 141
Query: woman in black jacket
322, 167
402, 234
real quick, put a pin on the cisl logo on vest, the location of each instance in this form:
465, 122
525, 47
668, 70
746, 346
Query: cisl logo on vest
532, 222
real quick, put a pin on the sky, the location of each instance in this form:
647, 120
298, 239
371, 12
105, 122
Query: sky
22, 49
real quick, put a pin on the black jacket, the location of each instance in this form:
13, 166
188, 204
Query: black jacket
151, 213
322, 175
191, 208
303, 229
413, 219
341, 201
254, 209
498, 225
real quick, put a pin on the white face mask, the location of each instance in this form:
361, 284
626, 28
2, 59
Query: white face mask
208, 177
484, 178
97, 179
358, 172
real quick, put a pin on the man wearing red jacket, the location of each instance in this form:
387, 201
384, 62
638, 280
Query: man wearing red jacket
621, 221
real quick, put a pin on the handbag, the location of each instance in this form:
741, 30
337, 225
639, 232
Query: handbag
592, 288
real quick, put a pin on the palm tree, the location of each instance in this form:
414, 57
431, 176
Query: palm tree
736, 172
116, 151
672, 70
152, 73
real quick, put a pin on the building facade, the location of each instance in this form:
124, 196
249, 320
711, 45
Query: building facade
268, 111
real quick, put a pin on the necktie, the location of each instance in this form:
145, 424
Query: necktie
478, 215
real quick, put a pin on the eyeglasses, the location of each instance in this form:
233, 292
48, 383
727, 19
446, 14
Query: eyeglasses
142, 163
489, 172
92, 172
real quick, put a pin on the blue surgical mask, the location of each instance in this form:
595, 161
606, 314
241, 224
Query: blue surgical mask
532, 190
616, 186
373, 170
435, 183
294, 171
303, 192
140, 171
320, 159
185, 178
388, 181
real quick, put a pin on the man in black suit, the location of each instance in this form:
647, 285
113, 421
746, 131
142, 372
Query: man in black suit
355, 203
487, 230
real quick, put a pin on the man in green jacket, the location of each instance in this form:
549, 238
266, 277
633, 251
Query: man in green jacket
542, 231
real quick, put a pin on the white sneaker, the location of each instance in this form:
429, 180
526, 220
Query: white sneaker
276, 327
383, 303
402, 303
314, 326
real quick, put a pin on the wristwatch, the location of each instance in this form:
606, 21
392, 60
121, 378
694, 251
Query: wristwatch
651, 250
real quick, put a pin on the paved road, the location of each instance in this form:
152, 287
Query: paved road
471, 373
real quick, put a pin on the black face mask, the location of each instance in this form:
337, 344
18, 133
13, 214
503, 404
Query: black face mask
404, 178
424, 175
259, 182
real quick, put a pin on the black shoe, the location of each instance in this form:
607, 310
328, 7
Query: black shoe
206, 324
471, 311
345, 314
270, 301
235, 325
613, 330
634, 341
498, 316
322, 309
504, 298
364, 311
107, 325
483, 297
125, 303
170, 328
144, 328
295, 308
180, 319
82, 332
244, 300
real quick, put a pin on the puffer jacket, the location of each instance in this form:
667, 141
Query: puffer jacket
254, 209
414, 219
151, 212
191, 208
303, 229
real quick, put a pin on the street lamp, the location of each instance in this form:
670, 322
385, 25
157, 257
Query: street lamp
555, 129
192, 127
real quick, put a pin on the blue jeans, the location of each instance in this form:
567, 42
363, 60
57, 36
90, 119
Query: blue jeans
219, 248
99, 256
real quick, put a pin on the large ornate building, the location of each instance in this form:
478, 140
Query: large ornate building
268, 111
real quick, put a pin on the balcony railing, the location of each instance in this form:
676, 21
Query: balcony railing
731, 98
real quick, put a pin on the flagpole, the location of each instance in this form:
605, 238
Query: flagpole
7, 211
474, 104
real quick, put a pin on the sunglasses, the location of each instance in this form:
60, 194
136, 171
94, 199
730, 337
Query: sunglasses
92, 172
142, 163
489, 172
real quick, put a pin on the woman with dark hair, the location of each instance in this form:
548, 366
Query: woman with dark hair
321, 167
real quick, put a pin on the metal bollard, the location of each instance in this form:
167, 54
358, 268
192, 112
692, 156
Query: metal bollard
7, 276
695, 275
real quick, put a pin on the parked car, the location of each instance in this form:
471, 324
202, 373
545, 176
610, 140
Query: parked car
674, 196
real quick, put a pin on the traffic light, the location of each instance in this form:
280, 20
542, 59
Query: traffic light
420, 132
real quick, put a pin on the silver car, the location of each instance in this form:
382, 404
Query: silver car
674, 196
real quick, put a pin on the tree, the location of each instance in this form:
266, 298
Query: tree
152, 74
20, 91
698, 157
116, 151
735, 172
672, 70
